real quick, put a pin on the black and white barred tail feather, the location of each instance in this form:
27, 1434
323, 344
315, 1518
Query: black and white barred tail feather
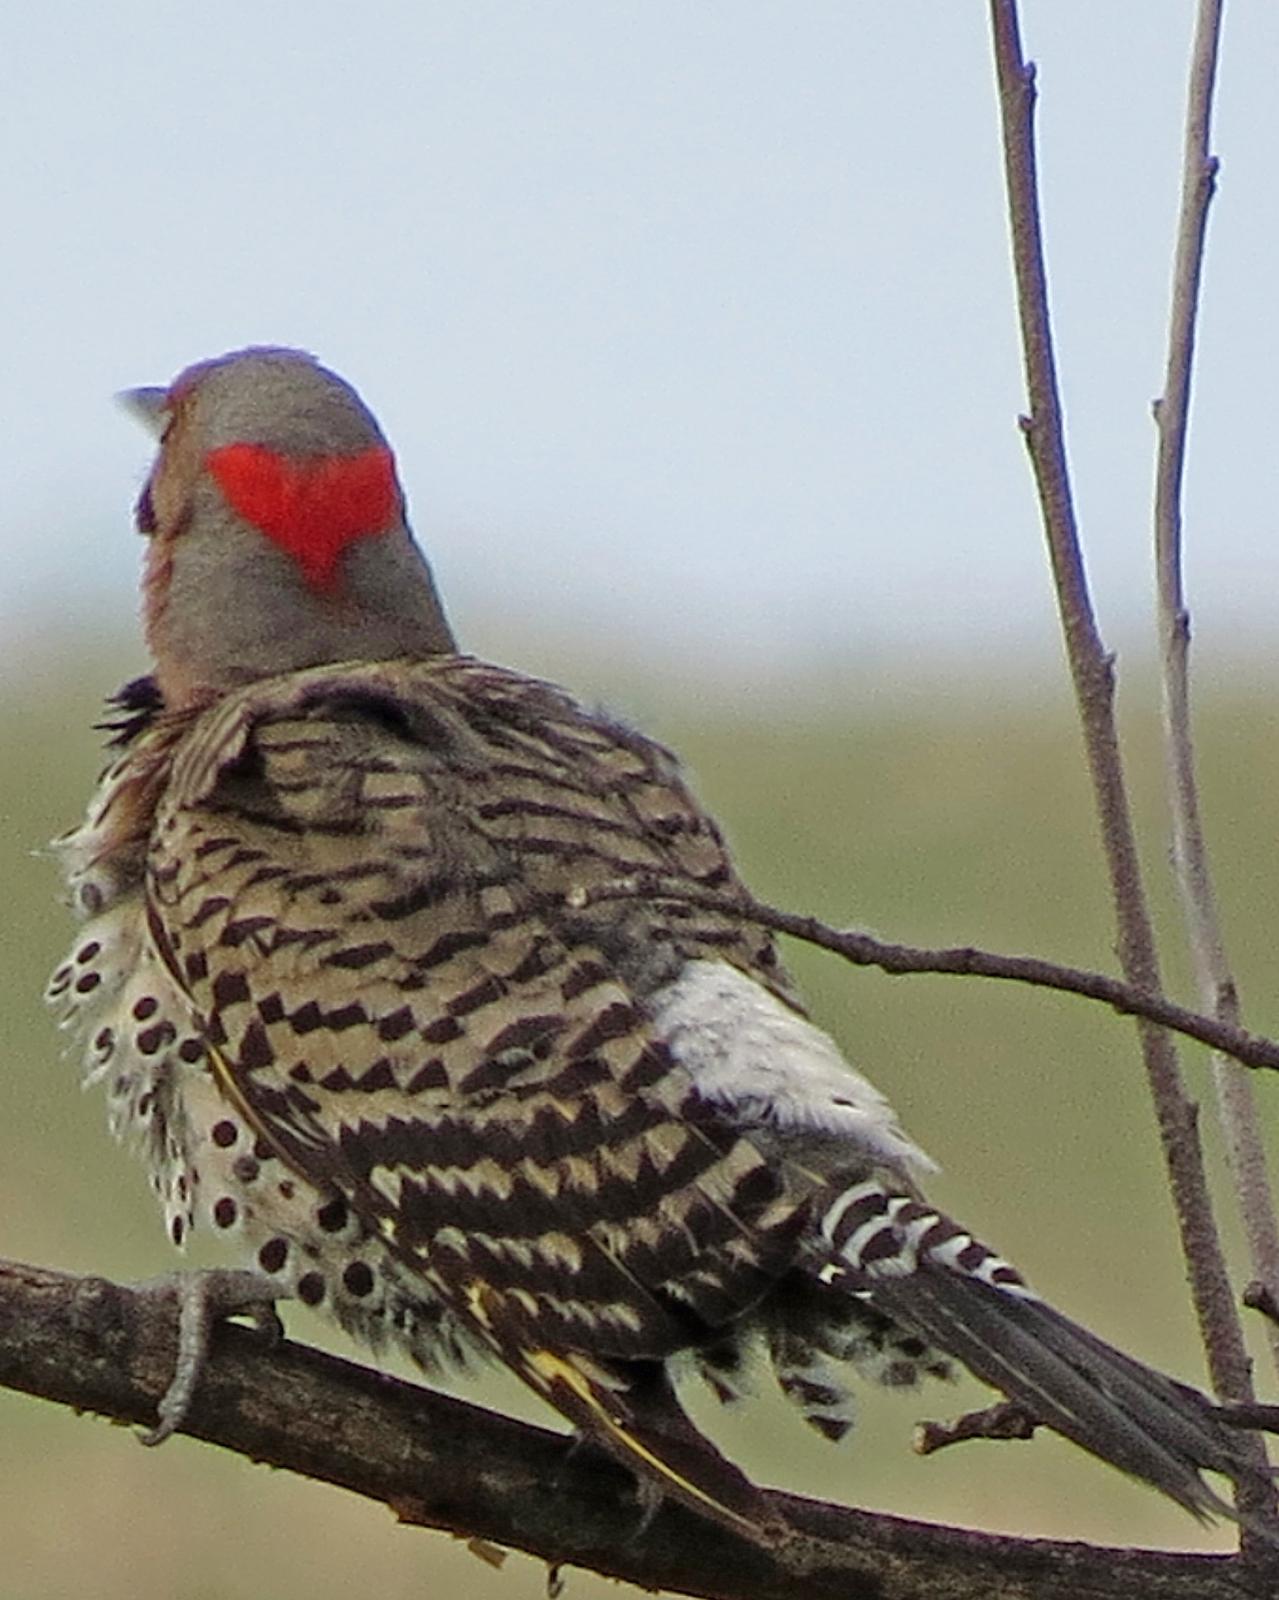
919, 1269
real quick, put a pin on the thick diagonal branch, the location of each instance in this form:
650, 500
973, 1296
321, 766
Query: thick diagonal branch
439, 1463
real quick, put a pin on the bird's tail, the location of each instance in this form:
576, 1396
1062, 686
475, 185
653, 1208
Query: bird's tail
1066, 1378
915, 1266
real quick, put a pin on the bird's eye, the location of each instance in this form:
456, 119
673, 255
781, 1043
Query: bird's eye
144, 513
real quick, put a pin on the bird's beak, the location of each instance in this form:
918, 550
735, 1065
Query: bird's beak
149, 405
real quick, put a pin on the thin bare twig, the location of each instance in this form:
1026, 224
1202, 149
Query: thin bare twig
865, 950
1236, 1102
1092, 671
1002, 1421
1247, 1414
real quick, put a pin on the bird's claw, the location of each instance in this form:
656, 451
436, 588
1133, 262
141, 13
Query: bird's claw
203, 1298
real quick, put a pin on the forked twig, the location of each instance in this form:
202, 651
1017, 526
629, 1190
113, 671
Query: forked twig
1259, 1296
1093, 675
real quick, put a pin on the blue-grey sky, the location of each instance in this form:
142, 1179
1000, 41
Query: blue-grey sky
690, 320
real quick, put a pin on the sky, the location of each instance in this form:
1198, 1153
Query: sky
691, 323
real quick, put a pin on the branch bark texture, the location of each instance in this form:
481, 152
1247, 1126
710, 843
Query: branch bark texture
437, 1462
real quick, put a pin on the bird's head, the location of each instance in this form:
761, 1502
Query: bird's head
278, 536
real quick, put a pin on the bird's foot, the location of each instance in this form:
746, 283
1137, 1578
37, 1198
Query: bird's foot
203, 1298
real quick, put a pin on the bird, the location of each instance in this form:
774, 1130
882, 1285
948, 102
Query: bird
355, 970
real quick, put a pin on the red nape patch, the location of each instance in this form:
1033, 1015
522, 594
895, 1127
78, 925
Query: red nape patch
312, 508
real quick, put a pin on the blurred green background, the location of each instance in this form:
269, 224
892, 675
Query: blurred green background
937, 813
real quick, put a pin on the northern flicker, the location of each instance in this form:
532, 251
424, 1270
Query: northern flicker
342, 978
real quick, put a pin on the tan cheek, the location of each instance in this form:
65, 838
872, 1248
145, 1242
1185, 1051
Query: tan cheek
168, 497
173, 479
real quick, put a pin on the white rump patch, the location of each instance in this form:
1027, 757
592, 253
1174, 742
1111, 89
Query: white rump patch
747, 1050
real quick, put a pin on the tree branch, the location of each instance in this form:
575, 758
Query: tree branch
865, 950
1236, 1104
1092, 670
436, 1462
